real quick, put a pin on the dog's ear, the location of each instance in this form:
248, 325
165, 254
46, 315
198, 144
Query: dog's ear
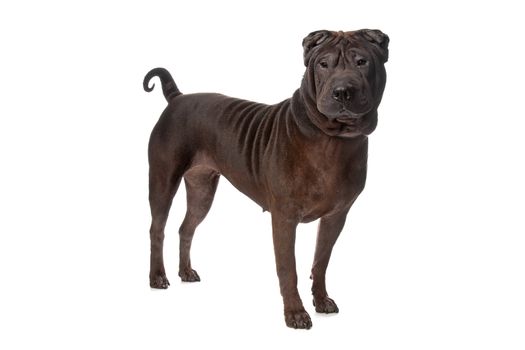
312, 41
378, 39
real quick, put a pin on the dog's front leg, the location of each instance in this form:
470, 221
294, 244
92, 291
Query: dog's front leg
329, 229
284, 244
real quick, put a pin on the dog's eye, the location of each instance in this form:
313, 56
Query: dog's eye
361, 62
323, 64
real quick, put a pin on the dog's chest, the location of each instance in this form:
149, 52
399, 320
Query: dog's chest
332, 190
321, 181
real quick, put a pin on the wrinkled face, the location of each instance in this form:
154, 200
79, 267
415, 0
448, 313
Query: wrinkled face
347, 77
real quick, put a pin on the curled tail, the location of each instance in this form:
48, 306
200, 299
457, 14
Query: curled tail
169, 88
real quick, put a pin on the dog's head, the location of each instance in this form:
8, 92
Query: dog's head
345, 79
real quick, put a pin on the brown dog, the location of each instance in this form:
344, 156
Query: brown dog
302, 159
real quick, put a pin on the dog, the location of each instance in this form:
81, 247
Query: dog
302, 159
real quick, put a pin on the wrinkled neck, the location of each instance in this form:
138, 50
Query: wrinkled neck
301, 110
304, 106
310, 121
315, 140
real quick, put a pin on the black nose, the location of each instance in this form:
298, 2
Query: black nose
343, 93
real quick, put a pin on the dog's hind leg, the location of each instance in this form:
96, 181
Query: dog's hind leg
164, 180
201, 184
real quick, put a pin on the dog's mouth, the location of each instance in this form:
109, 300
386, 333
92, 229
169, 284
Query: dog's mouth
347, 121
350, 123
353, 120
349, 118
354, 113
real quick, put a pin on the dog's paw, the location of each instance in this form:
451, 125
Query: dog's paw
298, 319
159, 282
189, 275
325, 305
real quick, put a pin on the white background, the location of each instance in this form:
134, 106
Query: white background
432, 256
